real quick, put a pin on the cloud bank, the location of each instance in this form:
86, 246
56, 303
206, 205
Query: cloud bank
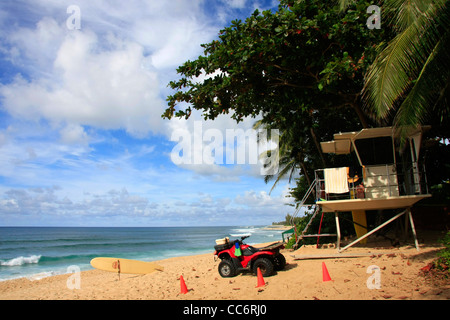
82, 140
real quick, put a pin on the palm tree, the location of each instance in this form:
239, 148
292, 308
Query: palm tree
290, 153
409, 79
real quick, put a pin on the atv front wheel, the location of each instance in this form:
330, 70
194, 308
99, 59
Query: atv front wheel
227, 269
265, 265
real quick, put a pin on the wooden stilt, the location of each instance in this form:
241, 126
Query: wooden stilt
374, 230
405, 228
413, 228
338, 231
320, 227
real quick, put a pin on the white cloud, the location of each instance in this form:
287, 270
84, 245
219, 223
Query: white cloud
179, 44
221, 148
122, 207
236, 3
108, 88
74, 134
38, 45
46, 201
69, 87
110, 74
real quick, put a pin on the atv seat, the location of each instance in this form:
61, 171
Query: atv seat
225, 246
249, 251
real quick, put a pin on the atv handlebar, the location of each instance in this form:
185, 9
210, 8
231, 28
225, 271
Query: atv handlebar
242, 238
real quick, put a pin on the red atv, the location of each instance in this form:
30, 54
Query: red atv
237, 256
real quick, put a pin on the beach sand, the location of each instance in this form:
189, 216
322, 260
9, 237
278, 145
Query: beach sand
400, 278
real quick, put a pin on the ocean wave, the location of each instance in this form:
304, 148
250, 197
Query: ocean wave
249, 230
68, 258
39, 259
20, 261
238, 235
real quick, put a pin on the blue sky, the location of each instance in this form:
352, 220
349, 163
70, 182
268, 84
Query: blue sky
82, 141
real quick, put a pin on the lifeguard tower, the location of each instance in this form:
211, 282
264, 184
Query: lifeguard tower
388, 176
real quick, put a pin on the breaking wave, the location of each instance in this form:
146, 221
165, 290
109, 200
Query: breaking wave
20, 261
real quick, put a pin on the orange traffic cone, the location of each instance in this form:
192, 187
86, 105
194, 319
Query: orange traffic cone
325, 274
261, 282
184, 289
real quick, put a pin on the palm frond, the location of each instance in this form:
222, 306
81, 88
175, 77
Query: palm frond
389, 75
343, 4
394, 69
429, 87
403, 13
286, 168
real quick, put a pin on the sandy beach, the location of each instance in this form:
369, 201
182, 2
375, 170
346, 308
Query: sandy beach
400, 279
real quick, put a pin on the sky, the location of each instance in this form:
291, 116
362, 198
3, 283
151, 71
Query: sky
83, 85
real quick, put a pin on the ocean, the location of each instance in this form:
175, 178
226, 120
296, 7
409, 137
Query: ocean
38, 252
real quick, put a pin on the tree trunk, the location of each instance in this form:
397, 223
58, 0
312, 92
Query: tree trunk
302, 164
361, 114
319, 149
308, 179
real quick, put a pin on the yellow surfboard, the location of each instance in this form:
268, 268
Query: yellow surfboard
120, 265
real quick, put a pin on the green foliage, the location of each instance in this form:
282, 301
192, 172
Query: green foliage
443, 262
288, 221
408, 83
291, 242
436, 157
304, 58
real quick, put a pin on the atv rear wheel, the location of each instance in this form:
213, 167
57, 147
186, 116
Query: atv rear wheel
279, 261
227, 269
265, 265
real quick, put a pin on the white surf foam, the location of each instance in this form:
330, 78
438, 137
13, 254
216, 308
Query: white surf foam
19, 261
